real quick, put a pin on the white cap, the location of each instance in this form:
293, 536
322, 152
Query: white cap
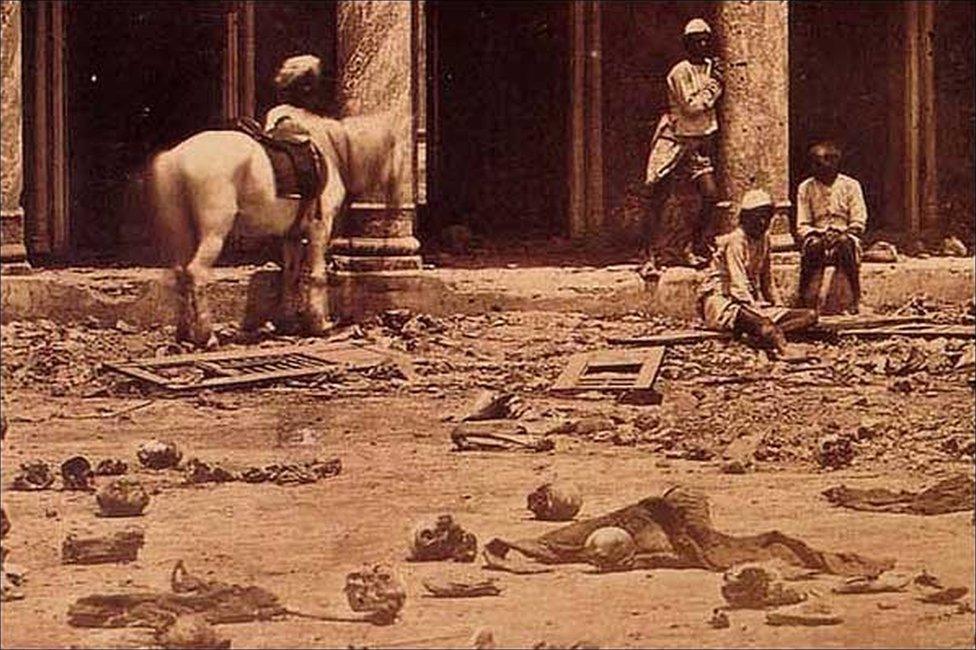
697, 26
756, 199
296, 67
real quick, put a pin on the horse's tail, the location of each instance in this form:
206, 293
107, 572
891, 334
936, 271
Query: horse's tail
175, 233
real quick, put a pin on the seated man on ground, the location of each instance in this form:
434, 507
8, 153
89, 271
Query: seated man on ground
830, 219
738, 293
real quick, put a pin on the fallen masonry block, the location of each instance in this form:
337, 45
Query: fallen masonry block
119, 547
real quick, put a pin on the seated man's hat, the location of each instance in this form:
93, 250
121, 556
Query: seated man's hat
756, 199
697, 26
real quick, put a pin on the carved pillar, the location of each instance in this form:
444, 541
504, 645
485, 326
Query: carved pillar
754, 114
375, 56
12, 249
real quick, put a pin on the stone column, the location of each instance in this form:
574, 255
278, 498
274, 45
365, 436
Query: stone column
753, 38
12, 249
375, 66
375, 251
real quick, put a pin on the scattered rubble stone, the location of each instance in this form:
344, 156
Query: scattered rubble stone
378, 590
834, 451
944, 596
123, 497
558, 501
156, 454
33, 476
77, 474
442, 539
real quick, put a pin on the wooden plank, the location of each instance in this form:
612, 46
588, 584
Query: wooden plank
942, 331
678, 337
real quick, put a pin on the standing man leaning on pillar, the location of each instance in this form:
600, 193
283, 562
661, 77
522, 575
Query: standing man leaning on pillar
686, 136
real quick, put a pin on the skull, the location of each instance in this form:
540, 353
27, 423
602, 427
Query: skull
376, 589
555, 501
123, 498
156, 454
610, 548
77, 474
442, 539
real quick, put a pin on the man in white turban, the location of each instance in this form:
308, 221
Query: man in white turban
685, 136
738, 293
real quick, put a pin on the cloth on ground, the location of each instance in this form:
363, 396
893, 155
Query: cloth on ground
955, 494
675, 531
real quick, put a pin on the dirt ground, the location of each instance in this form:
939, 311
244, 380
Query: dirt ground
905, 406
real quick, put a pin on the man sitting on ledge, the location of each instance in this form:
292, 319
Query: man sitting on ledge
830, 219
738, 293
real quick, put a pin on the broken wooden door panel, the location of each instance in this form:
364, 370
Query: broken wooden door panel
610, 370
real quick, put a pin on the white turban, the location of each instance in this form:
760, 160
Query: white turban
697, 26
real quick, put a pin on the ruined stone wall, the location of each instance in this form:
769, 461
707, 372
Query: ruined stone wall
11, 147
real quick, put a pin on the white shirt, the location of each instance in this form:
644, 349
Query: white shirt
692, 93
840, 205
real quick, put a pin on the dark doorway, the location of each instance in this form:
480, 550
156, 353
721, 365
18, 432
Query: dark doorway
287, 28
141, 76
845, 66
641, 42
499, 131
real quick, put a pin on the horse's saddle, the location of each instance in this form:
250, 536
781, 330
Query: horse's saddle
299, 168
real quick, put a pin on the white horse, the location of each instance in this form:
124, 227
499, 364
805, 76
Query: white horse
207, 182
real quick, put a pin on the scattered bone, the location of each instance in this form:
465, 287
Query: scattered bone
945, 596
889, 581
558, 501
442, 539
111, 467
156, 454
719, 619
119, 547
197, 472
497, 406
122, 497
755, 586
33, 476
453, 588
190, 632
810, 614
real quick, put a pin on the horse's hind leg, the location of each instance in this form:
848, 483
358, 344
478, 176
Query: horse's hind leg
214, 219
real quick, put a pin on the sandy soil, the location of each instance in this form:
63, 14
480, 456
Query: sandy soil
394, 443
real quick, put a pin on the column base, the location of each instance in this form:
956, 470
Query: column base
13, 253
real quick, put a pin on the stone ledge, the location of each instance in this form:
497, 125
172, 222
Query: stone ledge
143, 297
